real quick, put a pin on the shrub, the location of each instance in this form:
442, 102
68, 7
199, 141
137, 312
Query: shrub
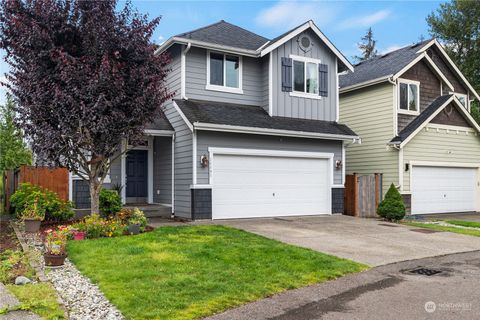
97, 227
392, 207
55, 208
110, 202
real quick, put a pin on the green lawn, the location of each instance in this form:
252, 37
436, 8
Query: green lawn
462, 223
470, 232
194, 271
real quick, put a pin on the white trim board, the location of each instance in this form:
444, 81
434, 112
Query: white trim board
307, 25
273, 132
450, 61
462, 110
182, 115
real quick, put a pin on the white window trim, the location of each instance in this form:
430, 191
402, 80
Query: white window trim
467, 106
224, 88
299, 94
409, 112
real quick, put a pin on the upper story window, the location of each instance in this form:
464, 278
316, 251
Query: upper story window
224, 72
463, 98
305, 77
408, 96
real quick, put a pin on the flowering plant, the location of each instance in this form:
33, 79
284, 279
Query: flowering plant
138, 217
95, 227
56, 240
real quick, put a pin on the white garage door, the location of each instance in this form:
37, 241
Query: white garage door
264, 186
443, 189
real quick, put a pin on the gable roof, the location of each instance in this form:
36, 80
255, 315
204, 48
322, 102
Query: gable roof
235, 116
228, 37
393, 64
427, 115
226, 34
383, 66
278, 41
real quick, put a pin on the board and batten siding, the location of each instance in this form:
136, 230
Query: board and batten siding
174, 76
183, 162
285, 105
370, 113
246, 141
162, 170
196, 80
434, 145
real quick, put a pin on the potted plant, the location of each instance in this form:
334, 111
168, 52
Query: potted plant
32, 216
78, 231
55, 243
136, 222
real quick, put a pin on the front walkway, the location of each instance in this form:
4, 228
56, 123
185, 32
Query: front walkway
369, 241
8, 301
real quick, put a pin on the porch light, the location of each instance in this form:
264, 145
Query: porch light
338, 164
204, 161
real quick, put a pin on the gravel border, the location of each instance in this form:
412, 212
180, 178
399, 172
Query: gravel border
81, 298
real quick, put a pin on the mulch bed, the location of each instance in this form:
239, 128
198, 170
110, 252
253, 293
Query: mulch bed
8, 239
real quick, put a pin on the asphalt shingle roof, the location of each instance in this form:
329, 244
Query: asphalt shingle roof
253, 116
381, 66
226, 34
418, 121
160, 123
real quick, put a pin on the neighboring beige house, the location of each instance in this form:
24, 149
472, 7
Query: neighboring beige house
411, 109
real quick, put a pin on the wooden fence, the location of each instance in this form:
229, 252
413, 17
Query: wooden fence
53, 179
362, 195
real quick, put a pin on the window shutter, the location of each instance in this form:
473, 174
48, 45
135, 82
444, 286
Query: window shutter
286, 74
323, 80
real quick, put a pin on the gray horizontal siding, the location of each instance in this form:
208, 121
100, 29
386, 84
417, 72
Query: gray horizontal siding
286, 106
233, 140
173, 79
183, 162
196, 80
162, 170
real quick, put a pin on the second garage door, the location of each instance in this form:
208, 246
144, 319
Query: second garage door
264, 186
443, 189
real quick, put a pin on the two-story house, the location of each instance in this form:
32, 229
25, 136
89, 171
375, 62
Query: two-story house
251, 132
412, 109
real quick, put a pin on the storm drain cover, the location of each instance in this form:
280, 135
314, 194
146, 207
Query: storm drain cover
425, 271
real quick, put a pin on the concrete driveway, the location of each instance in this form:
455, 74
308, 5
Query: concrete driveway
369, 241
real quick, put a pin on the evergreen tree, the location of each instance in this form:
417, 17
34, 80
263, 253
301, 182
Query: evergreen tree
13, 151
367, 46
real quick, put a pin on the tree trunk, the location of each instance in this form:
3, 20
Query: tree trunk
95, 188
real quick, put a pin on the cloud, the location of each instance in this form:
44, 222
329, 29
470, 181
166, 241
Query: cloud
289, 14
365, 21
392, 48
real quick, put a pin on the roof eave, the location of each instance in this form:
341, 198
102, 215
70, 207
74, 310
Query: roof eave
459, 73
309, 24
267, 131
206, 45
365, 84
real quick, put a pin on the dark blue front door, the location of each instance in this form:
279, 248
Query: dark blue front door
137, 172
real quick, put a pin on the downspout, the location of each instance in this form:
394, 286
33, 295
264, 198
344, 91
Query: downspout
184, 70
173, 177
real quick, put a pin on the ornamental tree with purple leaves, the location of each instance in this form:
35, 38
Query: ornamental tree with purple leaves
85, 78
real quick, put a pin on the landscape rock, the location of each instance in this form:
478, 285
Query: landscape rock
21, 280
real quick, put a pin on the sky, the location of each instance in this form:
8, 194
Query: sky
394, 23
